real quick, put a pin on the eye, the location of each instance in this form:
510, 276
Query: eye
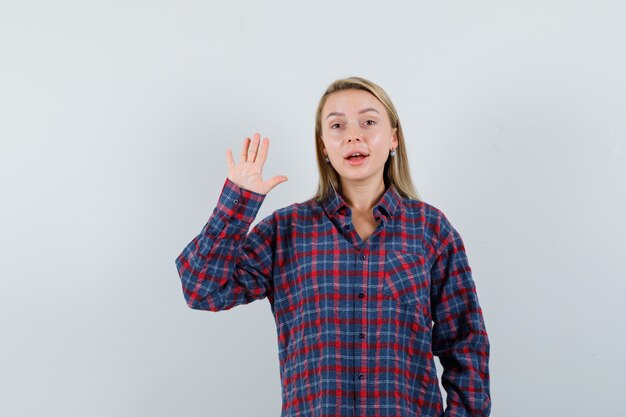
333, 125
370, 122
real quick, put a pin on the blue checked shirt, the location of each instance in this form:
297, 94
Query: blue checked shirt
358, 322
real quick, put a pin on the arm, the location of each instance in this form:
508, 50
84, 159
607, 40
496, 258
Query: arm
223, 266
459, 334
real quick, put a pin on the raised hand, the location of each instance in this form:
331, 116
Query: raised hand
247, 174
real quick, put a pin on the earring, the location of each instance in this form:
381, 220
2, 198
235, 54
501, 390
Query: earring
327, 160
393, 152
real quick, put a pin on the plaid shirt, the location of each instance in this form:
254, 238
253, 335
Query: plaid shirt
358, 322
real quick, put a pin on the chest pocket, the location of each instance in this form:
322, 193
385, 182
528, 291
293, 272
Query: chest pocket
406, 279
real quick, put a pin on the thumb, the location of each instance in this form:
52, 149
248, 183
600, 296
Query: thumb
274, 181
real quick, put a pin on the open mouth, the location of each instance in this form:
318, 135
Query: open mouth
356, 157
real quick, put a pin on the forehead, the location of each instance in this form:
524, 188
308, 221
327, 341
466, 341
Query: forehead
351, 101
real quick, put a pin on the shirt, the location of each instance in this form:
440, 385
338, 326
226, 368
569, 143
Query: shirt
358, 322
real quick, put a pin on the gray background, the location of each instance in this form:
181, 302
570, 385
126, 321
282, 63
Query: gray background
115, 120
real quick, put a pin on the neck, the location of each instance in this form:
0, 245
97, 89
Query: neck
362, 196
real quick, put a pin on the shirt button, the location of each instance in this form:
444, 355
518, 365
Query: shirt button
236, 201
361, 295
361, 335
347, 227
362, 257
361, 376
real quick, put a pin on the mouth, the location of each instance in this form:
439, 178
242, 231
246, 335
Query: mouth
356, 159
356, 156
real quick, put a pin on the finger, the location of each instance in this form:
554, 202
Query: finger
244, 151
262, 155
274, 181
254, 146
229, 159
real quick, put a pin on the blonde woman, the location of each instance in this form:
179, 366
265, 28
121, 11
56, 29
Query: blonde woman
366, 282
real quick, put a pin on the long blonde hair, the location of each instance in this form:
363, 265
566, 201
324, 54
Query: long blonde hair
396, 169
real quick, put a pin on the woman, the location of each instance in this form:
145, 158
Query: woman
365, 281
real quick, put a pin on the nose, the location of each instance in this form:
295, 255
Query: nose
353, 134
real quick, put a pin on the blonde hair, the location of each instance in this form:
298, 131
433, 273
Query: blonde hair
396, 169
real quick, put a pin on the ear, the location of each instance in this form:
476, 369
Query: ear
394, 137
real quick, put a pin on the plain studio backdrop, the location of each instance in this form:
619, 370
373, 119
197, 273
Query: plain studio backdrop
115, 118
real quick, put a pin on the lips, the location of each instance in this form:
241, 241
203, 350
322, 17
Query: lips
355, 152
356, 160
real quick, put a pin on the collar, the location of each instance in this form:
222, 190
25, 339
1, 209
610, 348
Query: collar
386, 207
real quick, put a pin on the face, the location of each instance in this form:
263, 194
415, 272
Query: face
355, 121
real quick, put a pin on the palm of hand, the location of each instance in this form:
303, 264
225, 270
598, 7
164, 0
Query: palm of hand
247, 173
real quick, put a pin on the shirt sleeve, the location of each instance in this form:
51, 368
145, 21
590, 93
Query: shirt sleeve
224, 266
459, 335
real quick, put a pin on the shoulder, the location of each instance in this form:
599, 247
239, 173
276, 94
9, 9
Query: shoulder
304, 212
301, 213
429, 222
304, 207
427, 214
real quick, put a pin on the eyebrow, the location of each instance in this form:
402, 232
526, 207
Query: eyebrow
335, 113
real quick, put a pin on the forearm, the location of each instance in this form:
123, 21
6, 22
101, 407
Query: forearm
465, 377
208, 262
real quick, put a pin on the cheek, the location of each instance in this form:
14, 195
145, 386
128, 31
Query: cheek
331, 142
330, 134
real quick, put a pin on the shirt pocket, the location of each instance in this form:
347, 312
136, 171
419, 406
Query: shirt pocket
406, 280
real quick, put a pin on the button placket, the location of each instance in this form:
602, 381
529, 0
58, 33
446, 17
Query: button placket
361, 257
